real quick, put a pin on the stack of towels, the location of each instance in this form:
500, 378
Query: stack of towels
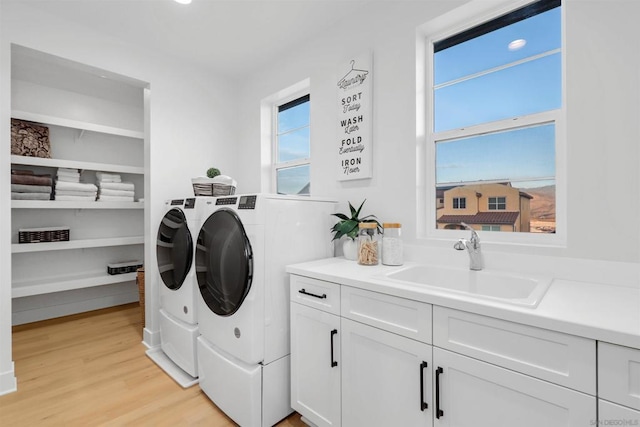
69, 187
25, 185
112, 189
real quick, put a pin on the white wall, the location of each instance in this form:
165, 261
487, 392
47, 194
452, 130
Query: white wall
191, 127
602, 75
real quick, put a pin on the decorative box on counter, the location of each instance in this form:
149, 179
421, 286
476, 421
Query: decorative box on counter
44, 234
124, 267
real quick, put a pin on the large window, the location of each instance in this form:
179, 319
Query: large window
495, 102
291, 163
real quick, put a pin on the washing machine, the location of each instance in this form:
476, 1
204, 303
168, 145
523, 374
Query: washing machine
243, 246
177, 233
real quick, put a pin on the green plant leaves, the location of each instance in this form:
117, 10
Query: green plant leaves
348, 226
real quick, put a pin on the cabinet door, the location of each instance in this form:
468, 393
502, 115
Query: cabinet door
386, 378
476, 394
610, 414
315, 365
619, 374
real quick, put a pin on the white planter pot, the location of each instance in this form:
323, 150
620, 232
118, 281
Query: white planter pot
350, 249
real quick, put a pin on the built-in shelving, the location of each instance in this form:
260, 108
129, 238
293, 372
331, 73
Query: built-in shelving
62, 204
74, 164
18, 248
95, 124
67, 283
75, 124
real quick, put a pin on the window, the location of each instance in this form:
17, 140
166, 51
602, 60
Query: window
459, 203
495, 98
497, 203
291, 163
490, 228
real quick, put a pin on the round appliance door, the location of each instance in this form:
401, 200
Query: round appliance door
224, 262
174, 249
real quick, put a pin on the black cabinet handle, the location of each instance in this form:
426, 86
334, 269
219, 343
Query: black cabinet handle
333, 362
302, 291
423, 404
439, 412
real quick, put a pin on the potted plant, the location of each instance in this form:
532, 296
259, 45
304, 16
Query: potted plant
348, 226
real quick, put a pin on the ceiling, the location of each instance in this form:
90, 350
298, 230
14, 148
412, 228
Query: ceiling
231, 37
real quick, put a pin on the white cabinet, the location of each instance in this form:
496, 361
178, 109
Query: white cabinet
472, 393
619, 384
408, 363
386, 378
315, 351
96, 123
566, 360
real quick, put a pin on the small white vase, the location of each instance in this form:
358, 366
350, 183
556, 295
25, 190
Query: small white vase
350, 249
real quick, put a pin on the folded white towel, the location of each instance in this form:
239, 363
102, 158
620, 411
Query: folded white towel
68, 170
77, 186
115, 199
23, 188
108, 192
76, 198
117, 185
68, 179
30, 196
76, 193
108, 177
67, 173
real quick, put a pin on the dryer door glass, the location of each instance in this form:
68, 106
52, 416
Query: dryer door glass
174, 249
224, 262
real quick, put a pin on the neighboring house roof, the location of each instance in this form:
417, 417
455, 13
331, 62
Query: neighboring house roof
481, 218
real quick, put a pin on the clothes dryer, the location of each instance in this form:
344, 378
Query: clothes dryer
176, 236
243, 246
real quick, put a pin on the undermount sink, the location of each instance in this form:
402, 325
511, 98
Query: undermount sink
500, 286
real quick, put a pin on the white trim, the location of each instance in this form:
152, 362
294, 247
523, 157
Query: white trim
453, 22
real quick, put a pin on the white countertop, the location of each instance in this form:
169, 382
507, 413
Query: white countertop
602, 312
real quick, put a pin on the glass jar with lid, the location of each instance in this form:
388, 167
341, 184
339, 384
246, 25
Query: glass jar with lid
368, 239
392, 253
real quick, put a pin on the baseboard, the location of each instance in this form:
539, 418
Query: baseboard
151, 339
8, 381
34, 311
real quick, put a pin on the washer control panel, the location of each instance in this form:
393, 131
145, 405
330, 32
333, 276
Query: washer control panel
226, 201
247, 202
190, 203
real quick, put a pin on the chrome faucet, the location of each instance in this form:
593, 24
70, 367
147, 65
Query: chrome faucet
473, 247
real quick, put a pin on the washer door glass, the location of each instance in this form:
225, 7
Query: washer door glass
224, 262
174, 249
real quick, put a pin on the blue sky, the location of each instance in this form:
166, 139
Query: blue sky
464, 96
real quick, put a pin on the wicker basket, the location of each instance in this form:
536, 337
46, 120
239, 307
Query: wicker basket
46, 234
140, 282
213, 187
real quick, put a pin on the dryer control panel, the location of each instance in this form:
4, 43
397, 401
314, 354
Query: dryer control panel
247, 202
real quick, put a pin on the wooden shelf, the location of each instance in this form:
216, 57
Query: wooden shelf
57, 204
75, 164
75, 124
67, 283
18, 248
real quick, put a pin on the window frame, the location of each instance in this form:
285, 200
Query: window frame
458, 20
497, 203
275, 165
459, 200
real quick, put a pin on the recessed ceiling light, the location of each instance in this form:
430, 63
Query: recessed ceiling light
515, 45
183, 1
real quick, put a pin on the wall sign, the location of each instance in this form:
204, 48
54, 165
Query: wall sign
355, 118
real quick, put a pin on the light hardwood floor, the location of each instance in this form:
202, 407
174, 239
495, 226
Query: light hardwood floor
91, 369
